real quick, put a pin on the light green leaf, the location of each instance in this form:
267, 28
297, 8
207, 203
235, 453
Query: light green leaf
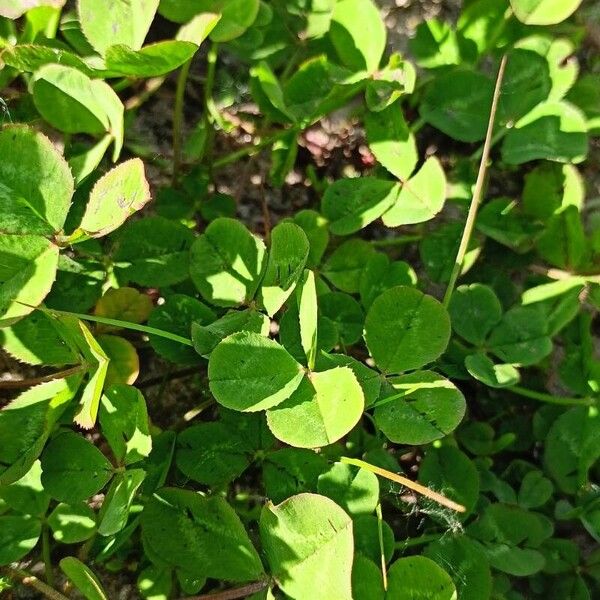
479, 22
124, 304
155, 583
117, 502
124, 362
116, 196
419, 408
287, 256
554, 130
72, 523
27, 495
355, 490
369, 380
544, 12
436, 44
73, 469
308, 316
324, 408
358, 34
391, 141
314, 226
27, 270
260, 366
351, 204
268, 93
392, 82
182, 12
124, 422
35, 340
406, 329
236, 17
13, 9
419, 578
26, 422
83, 578
36, 185
309, 547
493, 375
83, 164
31, 57
72, 102
199, 534
116, 22
227, 263
421, 197
197, 29
153, 60
98, 362
475, 310
289, 334
18, 537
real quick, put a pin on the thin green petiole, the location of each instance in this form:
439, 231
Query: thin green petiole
122, 324
418, 541
252, 149
48, 573
549, 398
178, 119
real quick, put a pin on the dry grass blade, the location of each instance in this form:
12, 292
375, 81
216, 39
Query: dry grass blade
413, 485
479, 185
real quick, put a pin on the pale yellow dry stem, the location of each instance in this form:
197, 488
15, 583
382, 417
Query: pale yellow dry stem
412, 485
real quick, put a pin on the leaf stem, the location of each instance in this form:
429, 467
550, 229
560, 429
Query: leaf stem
418, 541
412, 485
397, 241
479, 185
251, 149
122, 324
549, 398
21, 383
209, 104
235, 593
178, 118
28, 579
46, 557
